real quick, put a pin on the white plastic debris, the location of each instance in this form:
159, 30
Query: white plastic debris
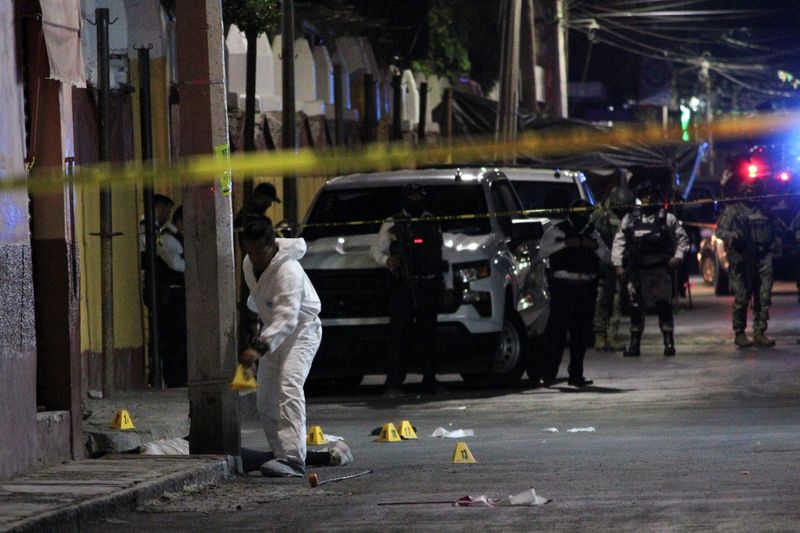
474, 501
581, 430
550, 430
454, 434
165, 447
526, 497
332, 438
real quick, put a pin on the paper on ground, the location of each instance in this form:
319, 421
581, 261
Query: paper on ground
550, 430
454, 434
332, 438
524, 498
581, 430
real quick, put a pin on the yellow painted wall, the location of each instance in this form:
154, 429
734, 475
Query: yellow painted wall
127, 307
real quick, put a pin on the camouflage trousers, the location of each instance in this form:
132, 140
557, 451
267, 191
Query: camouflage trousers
751, 283
607, 305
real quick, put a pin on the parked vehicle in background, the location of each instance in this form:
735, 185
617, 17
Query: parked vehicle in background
497, 294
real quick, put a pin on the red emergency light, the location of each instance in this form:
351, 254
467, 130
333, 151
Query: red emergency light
418, 241
752, 170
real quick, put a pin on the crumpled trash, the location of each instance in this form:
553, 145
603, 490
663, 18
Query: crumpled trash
454, 434
550, 430
332, 438
581, 430
165, 447
524, 498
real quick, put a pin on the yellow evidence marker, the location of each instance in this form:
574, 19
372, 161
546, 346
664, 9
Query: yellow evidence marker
315, 436
407, 430
462, 455
122, 420
242, 380
388, 433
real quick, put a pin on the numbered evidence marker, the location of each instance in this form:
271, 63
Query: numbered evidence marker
462, 455
315, 436
122, 420
407, 430
388, 433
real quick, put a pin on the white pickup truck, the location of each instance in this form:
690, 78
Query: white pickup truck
498, 292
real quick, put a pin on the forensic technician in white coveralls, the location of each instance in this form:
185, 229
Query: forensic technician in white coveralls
288, 307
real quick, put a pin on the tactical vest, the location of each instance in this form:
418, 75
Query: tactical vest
760, 230
578, 260
418, 245
651, 242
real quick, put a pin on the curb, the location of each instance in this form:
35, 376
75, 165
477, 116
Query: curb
74, 517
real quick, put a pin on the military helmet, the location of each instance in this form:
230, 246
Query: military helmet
621, 197
647, 189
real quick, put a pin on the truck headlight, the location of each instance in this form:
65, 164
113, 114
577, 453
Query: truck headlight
466, 272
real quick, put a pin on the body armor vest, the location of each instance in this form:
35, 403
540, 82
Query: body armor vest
651, 242
418, 245
578, 260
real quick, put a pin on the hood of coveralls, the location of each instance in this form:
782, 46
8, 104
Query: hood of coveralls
289, 249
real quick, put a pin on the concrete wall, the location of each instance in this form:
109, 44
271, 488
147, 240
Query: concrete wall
18, 442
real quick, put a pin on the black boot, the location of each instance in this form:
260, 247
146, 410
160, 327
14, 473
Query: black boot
669, 343
633, 349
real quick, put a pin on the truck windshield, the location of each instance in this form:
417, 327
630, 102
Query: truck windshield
340, 212
546, 195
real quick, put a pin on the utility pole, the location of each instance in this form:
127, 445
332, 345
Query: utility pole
509, 78
210, 290
705, 77
528, 51
288, 130
561, 51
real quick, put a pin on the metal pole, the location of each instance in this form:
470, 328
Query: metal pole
448, 123
423, 110
528, 56
397, 107
250, 106
106, 227
561, 51
151, 297
338, 104
289, 134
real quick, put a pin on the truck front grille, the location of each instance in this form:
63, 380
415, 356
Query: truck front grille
358, 293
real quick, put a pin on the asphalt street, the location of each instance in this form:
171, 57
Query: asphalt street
707, 440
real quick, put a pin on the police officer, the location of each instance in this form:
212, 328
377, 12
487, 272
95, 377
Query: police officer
411, 248
751, 235
172, 301
648, 247
262, 197
575, 250
606, 220
795, 229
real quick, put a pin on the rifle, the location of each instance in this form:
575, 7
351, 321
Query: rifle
747, 248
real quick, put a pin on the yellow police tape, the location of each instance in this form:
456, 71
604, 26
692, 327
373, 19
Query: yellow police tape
556, 212
385, 156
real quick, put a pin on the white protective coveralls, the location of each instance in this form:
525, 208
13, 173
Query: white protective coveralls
288, 306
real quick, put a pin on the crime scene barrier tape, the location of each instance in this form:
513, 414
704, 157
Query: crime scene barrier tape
329, 162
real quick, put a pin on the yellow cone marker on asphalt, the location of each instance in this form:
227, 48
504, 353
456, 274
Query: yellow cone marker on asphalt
462, 455
389, 433
315, 436
122, 420
407, 430
242, 380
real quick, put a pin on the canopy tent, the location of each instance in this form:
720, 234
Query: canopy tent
673, 165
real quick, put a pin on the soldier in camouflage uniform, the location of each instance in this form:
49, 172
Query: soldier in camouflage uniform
648, 247
606, 220
751, 235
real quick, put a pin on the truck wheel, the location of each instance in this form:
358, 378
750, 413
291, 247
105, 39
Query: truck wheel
721, 281
510, 358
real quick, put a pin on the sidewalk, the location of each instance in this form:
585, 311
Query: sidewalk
65, 497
